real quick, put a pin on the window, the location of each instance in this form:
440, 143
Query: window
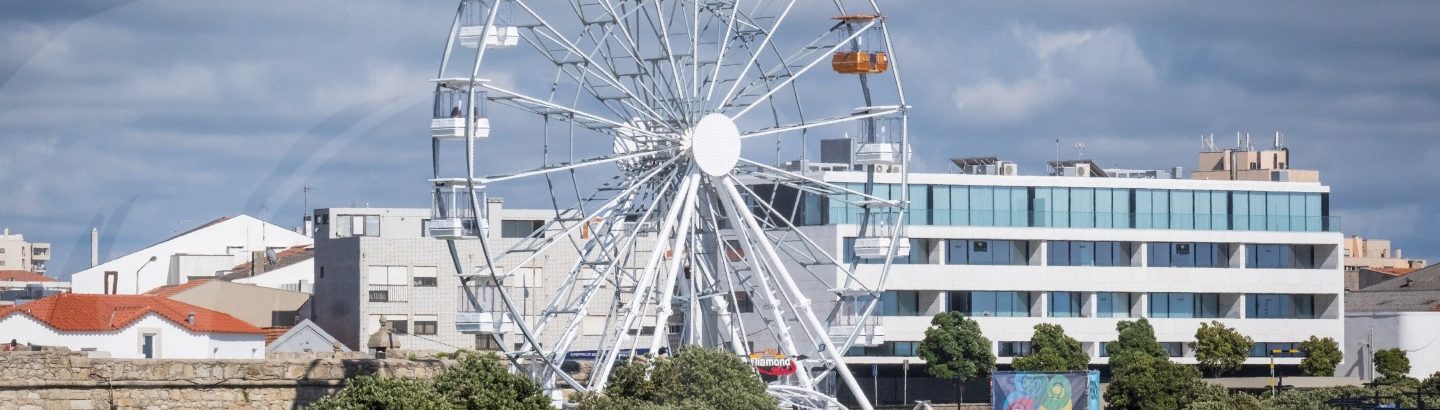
991, 304
1279, 256
1189, 255
426, 325
1174, 349
388, 276
357, 225
1279, 306
1185, 305
1014, 349
1113, 304
900, 303
425, 276
1104, 349
919, 253
887, 349
1065, 304
401, 326
986, 252
519, 228
149, 343
379, 296
1083, 253
1265, 349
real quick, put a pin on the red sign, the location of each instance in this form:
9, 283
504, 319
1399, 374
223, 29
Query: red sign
772, 363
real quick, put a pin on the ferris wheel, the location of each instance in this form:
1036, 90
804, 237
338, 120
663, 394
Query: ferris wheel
641, 124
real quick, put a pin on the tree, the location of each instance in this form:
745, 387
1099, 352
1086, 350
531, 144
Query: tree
371, 392
1321, 356
693, 377
1220, 349
1213, 397
1136, 338
1147, 382
1051, 350
1392, 363
483, 382
955, 349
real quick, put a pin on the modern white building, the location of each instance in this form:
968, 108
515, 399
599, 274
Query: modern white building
18, 254
1402, 313
204, 251
132, 327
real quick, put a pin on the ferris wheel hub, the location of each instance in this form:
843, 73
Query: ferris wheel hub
715, 144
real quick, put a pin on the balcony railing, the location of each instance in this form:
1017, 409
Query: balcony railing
1102, 220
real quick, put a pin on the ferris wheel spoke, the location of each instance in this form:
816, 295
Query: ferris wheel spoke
869, 199
566, 166
812, 63
724, 45
809, 243
545, 108
871, 113
750, 64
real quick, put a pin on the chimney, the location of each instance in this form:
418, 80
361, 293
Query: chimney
94, 247
257, 263
190, 318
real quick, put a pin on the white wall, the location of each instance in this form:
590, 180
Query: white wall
242, 231
288, 275
174, 342
1418, 333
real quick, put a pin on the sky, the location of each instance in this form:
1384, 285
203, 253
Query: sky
146, 118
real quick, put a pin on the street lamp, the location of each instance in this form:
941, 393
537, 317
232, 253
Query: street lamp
137, 274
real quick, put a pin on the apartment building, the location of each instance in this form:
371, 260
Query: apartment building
374, 264
18, 254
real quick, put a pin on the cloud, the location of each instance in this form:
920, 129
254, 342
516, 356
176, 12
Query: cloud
1067, 65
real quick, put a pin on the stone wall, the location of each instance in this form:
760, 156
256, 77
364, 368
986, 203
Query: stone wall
57, 380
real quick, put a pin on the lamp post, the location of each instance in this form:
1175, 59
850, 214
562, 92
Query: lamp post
137, 274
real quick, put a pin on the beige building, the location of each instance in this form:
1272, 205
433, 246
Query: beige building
17, 254
1371, 261
1245, 163
257, 305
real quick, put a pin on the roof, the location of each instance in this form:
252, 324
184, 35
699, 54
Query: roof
1391, 271
1418, 291
23, 276
274, 332
172, 290
297, 333
287, 257
74, 312
1427, 278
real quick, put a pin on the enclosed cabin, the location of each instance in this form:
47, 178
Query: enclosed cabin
881, 138
850, 319
452, 210
861, 45
453, 103
481, 310
477, 25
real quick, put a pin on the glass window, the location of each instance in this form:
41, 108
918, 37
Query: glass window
1082, 207
1084, 253
1279, 306
1065, 304
991, 303
1014, 349
900, 303
1113, 304
519, 228
940, 205
1264, 256
1174, 349
1184, 305
986, 252
1266, 349
1182, 209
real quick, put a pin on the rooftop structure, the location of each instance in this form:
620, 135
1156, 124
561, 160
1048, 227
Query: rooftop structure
1245, 163
259, 306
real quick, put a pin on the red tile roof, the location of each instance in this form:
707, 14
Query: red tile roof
272, 333
172, 290
23, 276
288, 256
1392, 271
76, 312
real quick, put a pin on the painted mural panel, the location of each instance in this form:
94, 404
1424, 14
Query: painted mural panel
1046, 391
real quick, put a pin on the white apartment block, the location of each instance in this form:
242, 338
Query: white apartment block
18, 254
374, 263
1086, 253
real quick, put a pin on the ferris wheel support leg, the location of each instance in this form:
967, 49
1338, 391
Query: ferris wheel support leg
682, 240
807, 315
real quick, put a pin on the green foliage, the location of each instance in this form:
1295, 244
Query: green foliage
955, 349
1136, 339
483, 382
1392, 363
1221, 349
1213, 397
692, 378
1147, 382
476, 382
1431, 385
1321, 356
1312, 399
1051, 350
370, 392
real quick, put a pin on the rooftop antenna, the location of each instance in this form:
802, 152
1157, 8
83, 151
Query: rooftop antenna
1207, 143
305, 200
1239, 145
1080, 150
1249, 146
1279, 140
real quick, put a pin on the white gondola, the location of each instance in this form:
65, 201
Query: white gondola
473, 16
447, 120
451, 213
481, 312
875, 247
851, 318
879, 139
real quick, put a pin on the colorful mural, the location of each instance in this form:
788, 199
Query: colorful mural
1045, 391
